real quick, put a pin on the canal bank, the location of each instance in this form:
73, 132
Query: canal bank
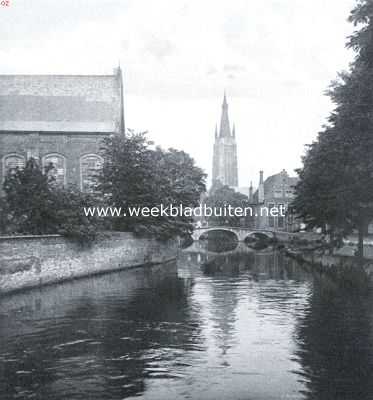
336, 265
31, 261
249, 326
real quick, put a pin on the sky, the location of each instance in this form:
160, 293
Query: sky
274, 58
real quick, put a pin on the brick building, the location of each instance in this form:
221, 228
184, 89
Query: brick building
276, 191
59, 119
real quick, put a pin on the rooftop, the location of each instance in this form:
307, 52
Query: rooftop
61, 103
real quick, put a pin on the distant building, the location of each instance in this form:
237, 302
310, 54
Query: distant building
59, 119
276, 191
224, 167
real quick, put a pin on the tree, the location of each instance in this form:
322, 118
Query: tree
69, 204
35, 205
30, 199
338, 169
6, 226
321, 199
135, 175
220, 198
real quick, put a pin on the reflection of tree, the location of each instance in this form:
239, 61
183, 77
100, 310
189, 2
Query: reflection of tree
221, 243
15, 373
218, 241
275, 265
103, 339
267, 265
227, 265
335, 343
280, 279
160, 327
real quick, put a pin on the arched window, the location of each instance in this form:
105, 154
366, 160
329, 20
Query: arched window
90, 165
59, 169
11, 162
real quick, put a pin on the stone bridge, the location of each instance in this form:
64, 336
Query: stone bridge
241, 233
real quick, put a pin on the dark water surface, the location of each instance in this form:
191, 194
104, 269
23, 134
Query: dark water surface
243, 324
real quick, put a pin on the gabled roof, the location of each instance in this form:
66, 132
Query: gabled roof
277, 180
61, 103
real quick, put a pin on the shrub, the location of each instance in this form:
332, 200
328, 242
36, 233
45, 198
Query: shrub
33, 204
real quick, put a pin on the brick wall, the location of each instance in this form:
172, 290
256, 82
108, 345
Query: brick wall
71, 146
31, 261
66, 115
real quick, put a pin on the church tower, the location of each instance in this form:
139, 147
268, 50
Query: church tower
224, 168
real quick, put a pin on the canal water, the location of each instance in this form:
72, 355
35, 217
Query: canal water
238, 324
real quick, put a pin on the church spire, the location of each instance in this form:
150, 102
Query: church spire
225, 130
224, 165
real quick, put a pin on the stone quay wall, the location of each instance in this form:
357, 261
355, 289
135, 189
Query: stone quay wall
31, 261
332, 263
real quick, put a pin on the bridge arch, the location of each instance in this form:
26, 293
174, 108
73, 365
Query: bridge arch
215, 229
240, 233
259, 235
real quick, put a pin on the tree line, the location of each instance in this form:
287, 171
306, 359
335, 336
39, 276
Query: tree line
335, 190
135, 173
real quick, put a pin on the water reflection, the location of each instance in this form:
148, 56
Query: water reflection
218, 241
104, 336
336, 342
234, 324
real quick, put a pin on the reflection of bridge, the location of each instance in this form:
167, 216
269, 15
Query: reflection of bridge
202, 248
241, 233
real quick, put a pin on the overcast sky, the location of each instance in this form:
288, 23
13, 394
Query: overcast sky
274, 58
